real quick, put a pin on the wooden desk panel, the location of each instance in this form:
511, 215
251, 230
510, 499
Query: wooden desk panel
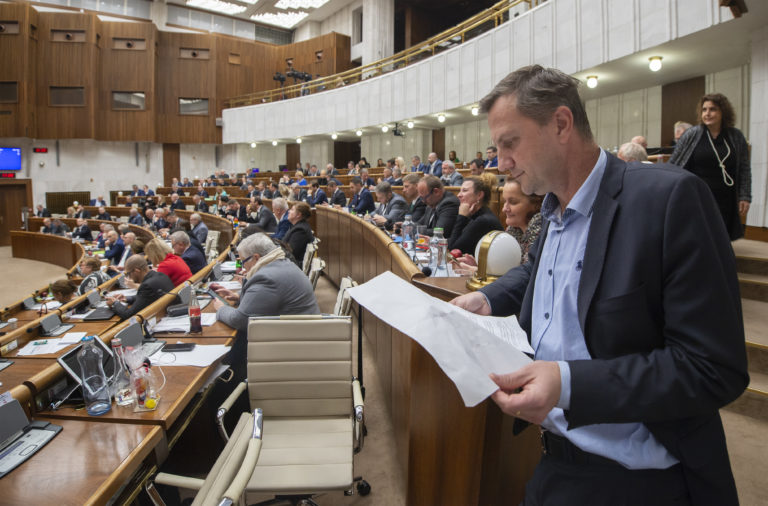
90, 328
21, 370
86, 463
47, 248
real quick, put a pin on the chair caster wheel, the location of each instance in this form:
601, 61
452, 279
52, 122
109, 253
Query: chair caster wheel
363, 488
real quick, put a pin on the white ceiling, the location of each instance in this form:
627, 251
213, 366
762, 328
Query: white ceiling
268, 6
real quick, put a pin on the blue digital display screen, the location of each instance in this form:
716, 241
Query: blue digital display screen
10, 159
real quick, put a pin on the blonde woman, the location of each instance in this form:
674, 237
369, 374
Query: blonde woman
162, 257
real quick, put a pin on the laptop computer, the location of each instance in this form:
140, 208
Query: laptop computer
133, 335
71, 366
51, 326
100, 313
29, 303
20, 439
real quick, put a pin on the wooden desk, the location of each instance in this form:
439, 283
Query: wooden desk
21, 370
443, 288
86, 463
47, 248
90, 328
182, 383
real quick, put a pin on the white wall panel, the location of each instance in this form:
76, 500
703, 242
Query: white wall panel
521, 41
451, 78
439, 77
484, 58
543, 35
502, 52
591, 17
470, 73
654, 22
620, 27
734, 84
566, 40
758, 128
693, 15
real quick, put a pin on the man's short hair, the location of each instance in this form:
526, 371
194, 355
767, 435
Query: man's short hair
279, 203
478, 163
432, 182
224, 198
332, 183
411, 178
256, 244
93, 262
384, 187
357, 180
632, 152
492, 148
180, 237
538, 92
315, 184
136, 262
415, 157
195, 216
448, 163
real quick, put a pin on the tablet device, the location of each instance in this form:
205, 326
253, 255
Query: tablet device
212, 293
171, 348
69, 362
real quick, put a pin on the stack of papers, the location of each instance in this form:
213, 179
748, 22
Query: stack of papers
40, 347
228, 266
181, 323
201, 356
49, 305
230, 285
126, 292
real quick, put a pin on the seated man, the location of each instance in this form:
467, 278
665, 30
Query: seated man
397, 177
152, 285
159, 222
135, 218
103, 214
115, 247
368, 181
450, 176
493, 159
148, 192
362, 202
137, 192
386, 176
435, 166
98, 201
101, 238
416, 206
201, 191
187, 183
337, 196
442, 206
391, 208
477, 166
82, 231
200, 206
82, 212
632, 152
42, 212
280, 210
274, 285
193, 257
129, 201
262, 216
176, 202
318, 195
417, 166
199, 229
298, 193
235, 210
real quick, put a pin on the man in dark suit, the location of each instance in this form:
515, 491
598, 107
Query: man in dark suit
135, 218
280, 210
187, 183
149, 192
397, 177
82, 231
137, 192
200, 206
182, 246
416, 206
42, 212
114, 247
262, 216
417, 166
103, 214
318, 195
493, 159
176, 203
299, 193
362, 202
391, 208
98, 201
235, 210
82, 212
645, 342
442, 206
199, 229
435, 166
337, 196
152, 285
201, 191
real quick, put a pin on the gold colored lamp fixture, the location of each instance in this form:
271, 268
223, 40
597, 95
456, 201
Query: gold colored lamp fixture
496, 253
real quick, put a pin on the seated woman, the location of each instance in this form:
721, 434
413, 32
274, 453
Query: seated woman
70, 212
523, 216
160, 254
90, 269
63, 290
475, 218
300, 233
273, 285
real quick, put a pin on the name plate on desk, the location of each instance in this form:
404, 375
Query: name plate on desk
20, 439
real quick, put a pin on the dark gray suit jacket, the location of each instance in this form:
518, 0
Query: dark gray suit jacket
393, 211
660, 310
443, 215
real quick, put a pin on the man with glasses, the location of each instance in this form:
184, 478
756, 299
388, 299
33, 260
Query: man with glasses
152, 285
493, 160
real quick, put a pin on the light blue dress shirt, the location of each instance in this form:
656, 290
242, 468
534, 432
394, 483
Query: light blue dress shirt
556, 334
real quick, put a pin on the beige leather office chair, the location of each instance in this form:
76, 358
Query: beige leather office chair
229, 476
300, 373
318, 265
343, 305
211, 244
309, 255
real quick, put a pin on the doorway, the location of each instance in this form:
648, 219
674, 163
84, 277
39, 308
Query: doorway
14, 195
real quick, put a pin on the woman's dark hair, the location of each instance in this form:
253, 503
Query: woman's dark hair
722, 103
304, 210
535, 200
481, 186
63, 287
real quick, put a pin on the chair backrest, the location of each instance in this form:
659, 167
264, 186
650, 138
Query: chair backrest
123, 219
211, 240
318, 264
343, 301
300, 366
309, 254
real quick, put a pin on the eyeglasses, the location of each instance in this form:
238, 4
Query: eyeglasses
244, 261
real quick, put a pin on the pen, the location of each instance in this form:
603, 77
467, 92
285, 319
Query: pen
38, 343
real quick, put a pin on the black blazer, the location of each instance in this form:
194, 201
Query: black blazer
266, 219
83, 232
155, 285
297, 238
443, 215
659, 307
468, 230
338, 198
416, 209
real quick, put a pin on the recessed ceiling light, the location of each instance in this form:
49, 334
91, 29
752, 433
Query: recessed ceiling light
298, 140
253, 144
441, 118
281, 19
475, 110
385, 129
410, 124
359, 133
300, 4
654, 63
334, 136
274, 143
218, 6
591, 81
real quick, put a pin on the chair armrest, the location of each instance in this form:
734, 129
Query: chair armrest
240, 481
227, 405
357, 399
174, 480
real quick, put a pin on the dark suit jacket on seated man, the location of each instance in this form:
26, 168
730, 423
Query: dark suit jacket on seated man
115, 246
631, 303
152, 286
264, 217
192, 256
337, 196
442, 206
362, 202
391, 208
82, 231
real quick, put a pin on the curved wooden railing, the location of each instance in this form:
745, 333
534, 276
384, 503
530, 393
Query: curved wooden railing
447, 39
35, 224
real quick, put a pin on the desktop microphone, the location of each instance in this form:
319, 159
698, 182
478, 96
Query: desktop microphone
427, 271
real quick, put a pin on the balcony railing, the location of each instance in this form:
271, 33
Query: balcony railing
464, 31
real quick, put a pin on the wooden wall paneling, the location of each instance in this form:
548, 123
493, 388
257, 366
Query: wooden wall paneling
292, 156
127, 69
253, 73
334, 262
345, 264
14, 194
678, 103
341, 60
357, 249
187, 78
438, 142
17, 57
171, 163
67, 64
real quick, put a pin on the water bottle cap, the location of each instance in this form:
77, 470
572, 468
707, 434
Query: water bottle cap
87, 338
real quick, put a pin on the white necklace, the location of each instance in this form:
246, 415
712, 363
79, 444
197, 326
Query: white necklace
727, 179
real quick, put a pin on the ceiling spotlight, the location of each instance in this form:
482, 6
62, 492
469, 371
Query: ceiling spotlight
441, 118
654, 63
385, 129
253, 145
359, 133
274, 143
591, 81
410, 124
334, 136
475, 110
298, 140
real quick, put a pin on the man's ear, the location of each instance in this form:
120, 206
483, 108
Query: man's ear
563, 119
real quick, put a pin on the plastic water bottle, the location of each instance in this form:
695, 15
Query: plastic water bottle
195, 317
95, 387
437, 234
121, 381
407, 231
442, 257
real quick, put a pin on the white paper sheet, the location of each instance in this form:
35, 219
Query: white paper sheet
230, 285
228, 266
49, 305
201, 356
466, 350
74, 316
126, 292
181, 323
71, 338
40, 347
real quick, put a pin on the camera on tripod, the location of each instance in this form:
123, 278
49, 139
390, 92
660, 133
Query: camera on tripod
278, 77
